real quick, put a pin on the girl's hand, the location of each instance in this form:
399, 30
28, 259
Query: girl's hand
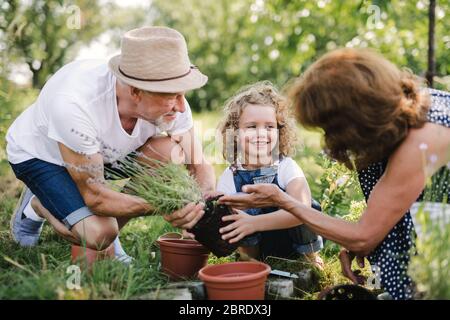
256, 196
243, 225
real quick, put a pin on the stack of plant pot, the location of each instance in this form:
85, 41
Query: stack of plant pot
181, 259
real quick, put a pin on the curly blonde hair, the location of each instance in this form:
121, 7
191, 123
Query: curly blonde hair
261, 93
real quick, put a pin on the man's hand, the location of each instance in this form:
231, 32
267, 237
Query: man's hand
243, 225
346, 257
211, 194
186, 217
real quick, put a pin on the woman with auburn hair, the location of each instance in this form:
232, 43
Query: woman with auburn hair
382, 122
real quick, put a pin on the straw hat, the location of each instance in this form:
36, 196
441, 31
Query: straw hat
156, 59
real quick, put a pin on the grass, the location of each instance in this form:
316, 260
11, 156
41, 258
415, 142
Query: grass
41, 272
431, 266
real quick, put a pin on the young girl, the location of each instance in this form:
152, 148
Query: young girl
259, 135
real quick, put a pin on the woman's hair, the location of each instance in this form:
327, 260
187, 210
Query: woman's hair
362, 101
262, 94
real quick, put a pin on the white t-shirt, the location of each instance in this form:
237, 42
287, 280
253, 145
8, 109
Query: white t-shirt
78, 107
288, 170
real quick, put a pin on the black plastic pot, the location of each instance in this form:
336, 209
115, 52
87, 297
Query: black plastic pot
346, 292
206, 230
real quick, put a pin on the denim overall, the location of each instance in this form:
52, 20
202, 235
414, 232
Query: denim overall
285, 243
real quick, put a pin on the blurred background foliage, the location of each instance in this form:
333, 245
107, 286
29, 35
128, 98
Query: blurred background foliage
234, 42
239, 42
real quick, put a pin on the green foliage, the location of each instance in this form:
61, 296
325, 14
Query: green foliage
436, 190
41, 272
430, 268
234, 42
237, 42
41, 33
339, 187
338, 191
12, 102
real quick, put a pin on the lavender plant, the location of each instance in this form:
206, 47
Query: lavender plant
167, 187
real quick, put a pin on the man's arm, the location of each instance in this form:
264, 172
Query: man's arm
196, 162
87, 172
203, 172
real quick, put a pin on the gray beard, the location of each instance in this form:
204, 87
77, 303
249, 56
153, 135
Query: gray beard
163, 125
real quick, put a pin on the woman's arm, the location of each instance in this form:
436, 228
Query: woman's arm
245, 224
392, 196
299, 190
399, 187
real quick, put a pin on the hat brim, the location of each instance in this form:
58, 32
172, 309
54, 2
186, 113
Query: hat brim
194, 80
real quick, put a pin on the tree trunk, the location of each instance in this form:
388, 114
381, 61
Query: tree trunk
431, 43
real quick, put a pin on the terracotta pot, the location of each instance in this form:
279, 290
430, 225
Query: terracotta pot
171, 235
235, 280
88, 256
181, 258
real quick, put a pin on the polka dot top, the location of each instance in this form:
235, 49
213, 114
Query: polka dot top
392, 256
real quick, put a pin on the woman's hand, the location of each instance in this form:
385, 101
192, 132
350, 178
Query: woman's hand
243, 225
256, 196
346, 257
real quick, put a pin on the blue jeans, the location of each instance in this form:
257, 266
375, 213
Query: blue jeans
55, 189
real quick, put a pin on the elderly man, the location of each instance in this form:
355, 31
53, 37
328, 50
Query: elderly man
89, 114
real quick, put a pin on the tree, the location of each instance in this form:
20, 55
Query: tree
236, 42
431, 32
43, 33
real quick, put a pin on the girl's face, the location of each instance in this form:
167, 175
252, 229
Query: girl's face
258, 134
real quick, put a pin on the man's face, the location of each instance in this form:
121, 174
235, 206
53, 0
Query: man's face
160, 107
